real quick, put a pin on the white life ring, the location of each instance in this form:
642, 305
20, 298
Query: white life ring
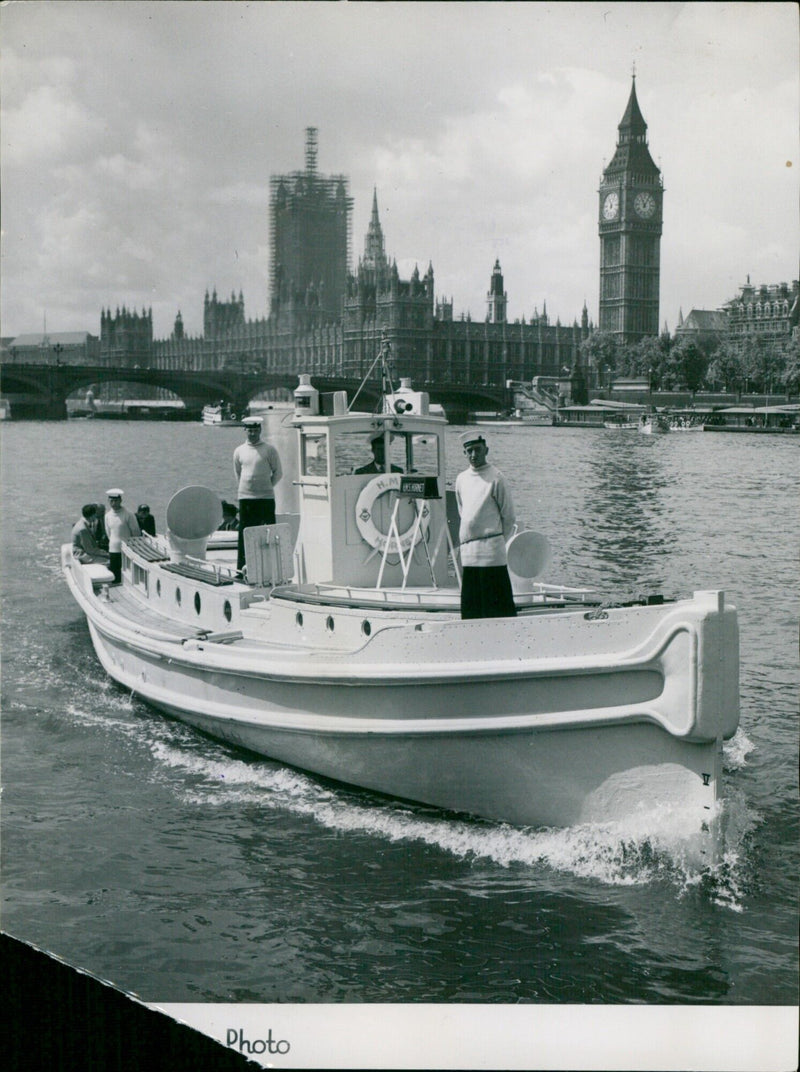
381, 485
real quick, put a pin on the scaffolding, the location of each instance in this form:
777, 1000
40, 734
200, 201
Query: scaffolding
310, 237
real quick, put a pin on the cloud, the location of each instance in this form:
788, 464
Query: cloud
139, 140
46, 128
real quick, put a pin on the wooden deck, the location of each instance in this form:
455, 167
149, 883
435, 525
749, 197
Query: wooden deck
136, 614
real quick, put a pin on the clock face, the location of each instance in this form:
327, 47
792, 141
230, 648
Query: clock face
645, 205
611, 206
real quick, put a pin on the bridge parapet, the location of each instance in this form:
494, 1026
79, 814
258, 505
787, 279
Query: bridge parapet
43, 389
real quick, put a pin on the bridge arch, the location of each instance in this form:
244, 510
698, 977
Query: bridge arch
47, 387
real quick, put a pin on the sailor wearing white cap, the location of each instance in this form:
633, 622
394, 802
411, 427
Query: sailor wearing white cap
257, 468
487, 523
120, 524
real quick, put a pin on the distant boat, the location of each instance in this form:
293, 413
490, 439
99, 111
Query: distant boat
526, 418
221, 416
5, 409
681, 423
653, 424
622, 422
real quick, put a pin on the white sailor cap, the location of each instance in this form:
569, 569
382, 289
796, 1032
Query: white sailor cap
471, 437
252, 422
115, 493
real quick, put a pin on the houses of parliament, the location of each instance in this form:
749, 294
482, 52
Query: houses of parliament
327, 318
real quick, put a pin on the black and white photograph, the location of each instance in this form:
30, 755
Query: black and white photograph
399, 513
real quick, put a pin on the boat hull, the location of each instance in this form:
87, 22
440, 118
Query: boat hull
553, 745
549, 778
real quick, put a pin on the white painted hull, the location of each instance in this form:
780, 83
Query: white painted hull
548, 719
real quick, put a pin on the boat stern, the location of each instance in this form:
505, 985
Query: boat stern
717, 700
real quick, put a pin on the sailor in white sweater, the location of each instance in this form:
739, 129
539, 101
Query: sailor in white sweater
257, 468
120, 525
487, 523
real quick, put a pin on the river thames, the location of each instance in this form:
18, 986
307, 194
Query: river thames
186, 872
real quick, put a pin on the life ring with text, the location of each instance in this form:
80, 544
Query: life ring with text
370, 493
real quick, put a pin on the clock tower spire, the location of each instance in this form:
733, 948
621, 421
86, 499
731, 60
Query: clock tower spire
630, 223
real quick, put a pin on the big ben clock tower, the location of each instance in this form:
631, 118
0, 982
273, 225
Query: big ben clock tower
631, 198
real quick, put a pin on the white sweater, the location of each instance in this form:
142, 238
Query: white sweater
120, 525
487, 516
258, 469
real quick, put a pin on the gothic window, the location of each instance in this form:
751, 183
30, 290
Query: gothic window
758, 310
611, 251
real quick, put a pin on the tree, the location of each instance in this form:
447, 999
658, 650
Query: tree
689, 364
648, 357
599, 351
789, 373
580, 392
726, 367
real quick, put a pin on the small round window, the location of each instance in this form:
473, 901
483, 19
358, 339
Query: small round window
178, 596
366, 628
158, 586
226, 610
299, 619
329, 624
197, 602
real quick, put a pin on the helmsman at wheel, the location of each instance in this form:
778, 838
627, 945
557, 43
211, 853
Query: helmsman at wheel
487, 523
257, 467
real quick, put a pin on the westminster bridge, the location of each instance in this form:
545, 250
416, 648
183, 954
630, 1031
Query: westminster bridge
40, 390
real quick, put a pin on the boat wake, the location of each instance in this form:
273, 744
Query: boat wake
649, 847
736, 750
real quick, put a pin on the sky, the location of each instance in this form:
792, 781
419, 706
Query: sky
138, 140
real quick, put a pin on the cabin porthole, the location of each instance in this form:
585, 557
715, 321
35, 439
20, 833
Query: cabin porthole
329, 624
226, 610
178, 596
158, 586
197, 602
366, 628
298, 618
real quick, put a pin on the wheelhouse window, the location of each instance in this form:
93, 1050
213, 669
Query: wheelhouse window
314, 454
409, 452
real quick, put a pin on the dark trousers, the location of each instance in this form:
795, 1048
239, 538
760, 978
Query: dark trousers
486, 592
115, 564
253, 512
